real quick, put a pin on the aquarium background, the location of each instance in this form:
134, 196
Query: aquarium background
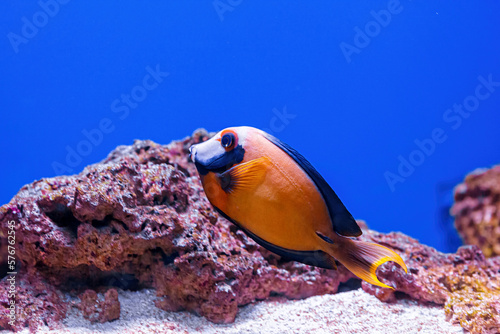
364, 90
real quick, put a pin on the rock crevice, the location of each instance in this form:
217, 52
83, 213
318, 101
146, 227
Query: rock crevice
140, 219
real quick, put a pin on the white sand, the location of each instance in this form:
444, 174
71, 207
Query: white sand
348, 312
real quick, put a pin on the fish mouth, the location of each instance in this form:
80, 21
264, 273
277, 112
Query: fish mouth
210, 156
203, 169
219, 169
192, 152
214, 162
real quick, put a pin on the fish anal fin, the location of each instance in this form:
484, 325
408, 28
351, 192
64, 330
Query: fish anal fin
316, 258
245, 176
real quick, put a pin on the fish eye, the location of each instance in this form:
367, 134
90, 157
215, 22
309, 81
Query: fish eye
227, 140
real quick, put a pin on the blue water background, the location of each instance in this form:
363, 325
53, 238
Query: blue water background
352, 113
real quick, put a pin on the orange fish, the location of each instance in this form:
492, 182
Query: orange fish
276, 196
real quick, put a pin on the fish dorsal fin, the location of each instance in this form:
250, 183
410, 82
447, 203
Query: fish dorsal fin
343, 222
245, 176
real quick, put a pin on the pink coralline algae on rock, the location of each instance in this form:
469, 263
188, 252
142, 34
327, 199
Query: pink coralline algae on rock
140, 219
477, 210
36, 303
465, 282
98, 309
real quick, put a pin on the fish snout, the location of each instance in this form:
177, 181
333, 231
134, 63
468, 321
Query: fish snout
192, 153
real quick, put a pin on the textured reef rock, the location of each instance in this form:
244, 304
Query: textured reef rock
98, 309
37, 303
477, 210
140, 219
466, 283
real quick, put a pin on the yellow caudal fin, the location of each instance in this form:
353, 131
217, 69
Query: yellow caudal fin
363, 258
244, 176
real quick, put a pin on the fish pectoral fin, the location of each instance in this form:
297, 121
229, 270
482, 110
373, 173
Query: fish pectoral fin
244, 176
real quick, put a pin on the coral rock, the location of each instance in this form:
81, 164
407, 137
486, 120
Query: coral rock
36, 303
466, 282
140, 219
477, 210
98, 309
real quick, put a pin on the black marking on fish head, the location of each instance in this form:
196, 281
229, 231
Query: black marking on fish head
219, 153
